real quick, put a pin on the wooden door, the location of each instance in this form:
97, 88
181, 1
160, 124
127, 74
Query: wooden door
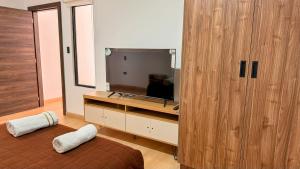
18, 72
273, 97
217, 37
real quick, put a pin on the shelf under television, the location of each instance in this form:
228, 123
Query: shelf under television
130, 102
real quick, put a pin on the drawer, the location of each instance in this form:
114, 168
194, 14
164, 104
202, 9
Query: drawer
164, 131
94, 114
114, 119
138, 125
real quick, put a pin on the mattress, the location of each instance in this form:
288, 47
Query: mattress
35, 151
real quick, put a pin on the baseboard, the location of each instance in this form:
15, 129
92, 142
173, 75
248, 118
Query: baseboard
74, 115
53, 100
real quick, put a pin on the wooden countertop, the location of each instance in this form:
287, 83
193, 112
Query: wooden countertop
138, 103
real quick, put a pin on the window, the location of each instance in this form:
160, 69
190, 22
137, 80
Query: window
84, 52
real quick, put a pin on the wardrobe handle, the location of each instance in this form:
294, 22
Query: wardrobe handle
243, 66
254, 69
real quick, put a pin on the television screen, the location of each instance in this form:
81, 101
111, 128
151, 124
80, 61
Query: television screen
142, 72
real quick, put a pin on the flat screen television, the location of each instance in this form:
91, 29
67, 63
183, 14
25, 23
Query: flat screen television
141, 72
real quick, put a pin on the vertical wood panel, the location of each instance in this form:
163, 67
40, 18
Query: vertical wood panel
292, 159
272, 96
293, 153
38, 58
18, 76
287, 147
217, 36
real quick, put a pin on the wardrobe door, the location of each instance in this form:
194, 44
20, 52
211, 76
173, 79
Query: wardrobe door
217, 37
272, 112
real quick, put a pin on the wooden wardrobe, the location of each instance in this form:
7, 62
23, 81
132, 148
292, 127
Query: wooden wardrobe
240, 85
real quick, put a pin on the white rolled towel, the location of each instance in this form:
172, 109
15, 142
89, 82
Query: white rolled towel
19, 127
69, 141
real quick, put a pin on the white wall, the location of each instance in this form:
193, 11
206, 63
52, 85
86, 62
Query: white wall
121, 24
50, 54
151, 24
13, 4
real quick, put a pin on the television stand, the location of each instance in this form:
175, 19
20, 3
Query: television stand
137, 117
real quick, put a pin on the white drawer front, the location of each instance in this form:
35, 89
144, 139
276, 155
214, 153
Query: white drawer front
164, 131
94, 115
114, 119
138, 125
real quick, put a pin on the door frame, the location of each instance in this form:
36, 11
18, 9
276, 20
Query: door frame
34, 9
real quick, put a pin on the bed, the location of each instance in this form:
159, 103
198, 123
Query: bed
35, 151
